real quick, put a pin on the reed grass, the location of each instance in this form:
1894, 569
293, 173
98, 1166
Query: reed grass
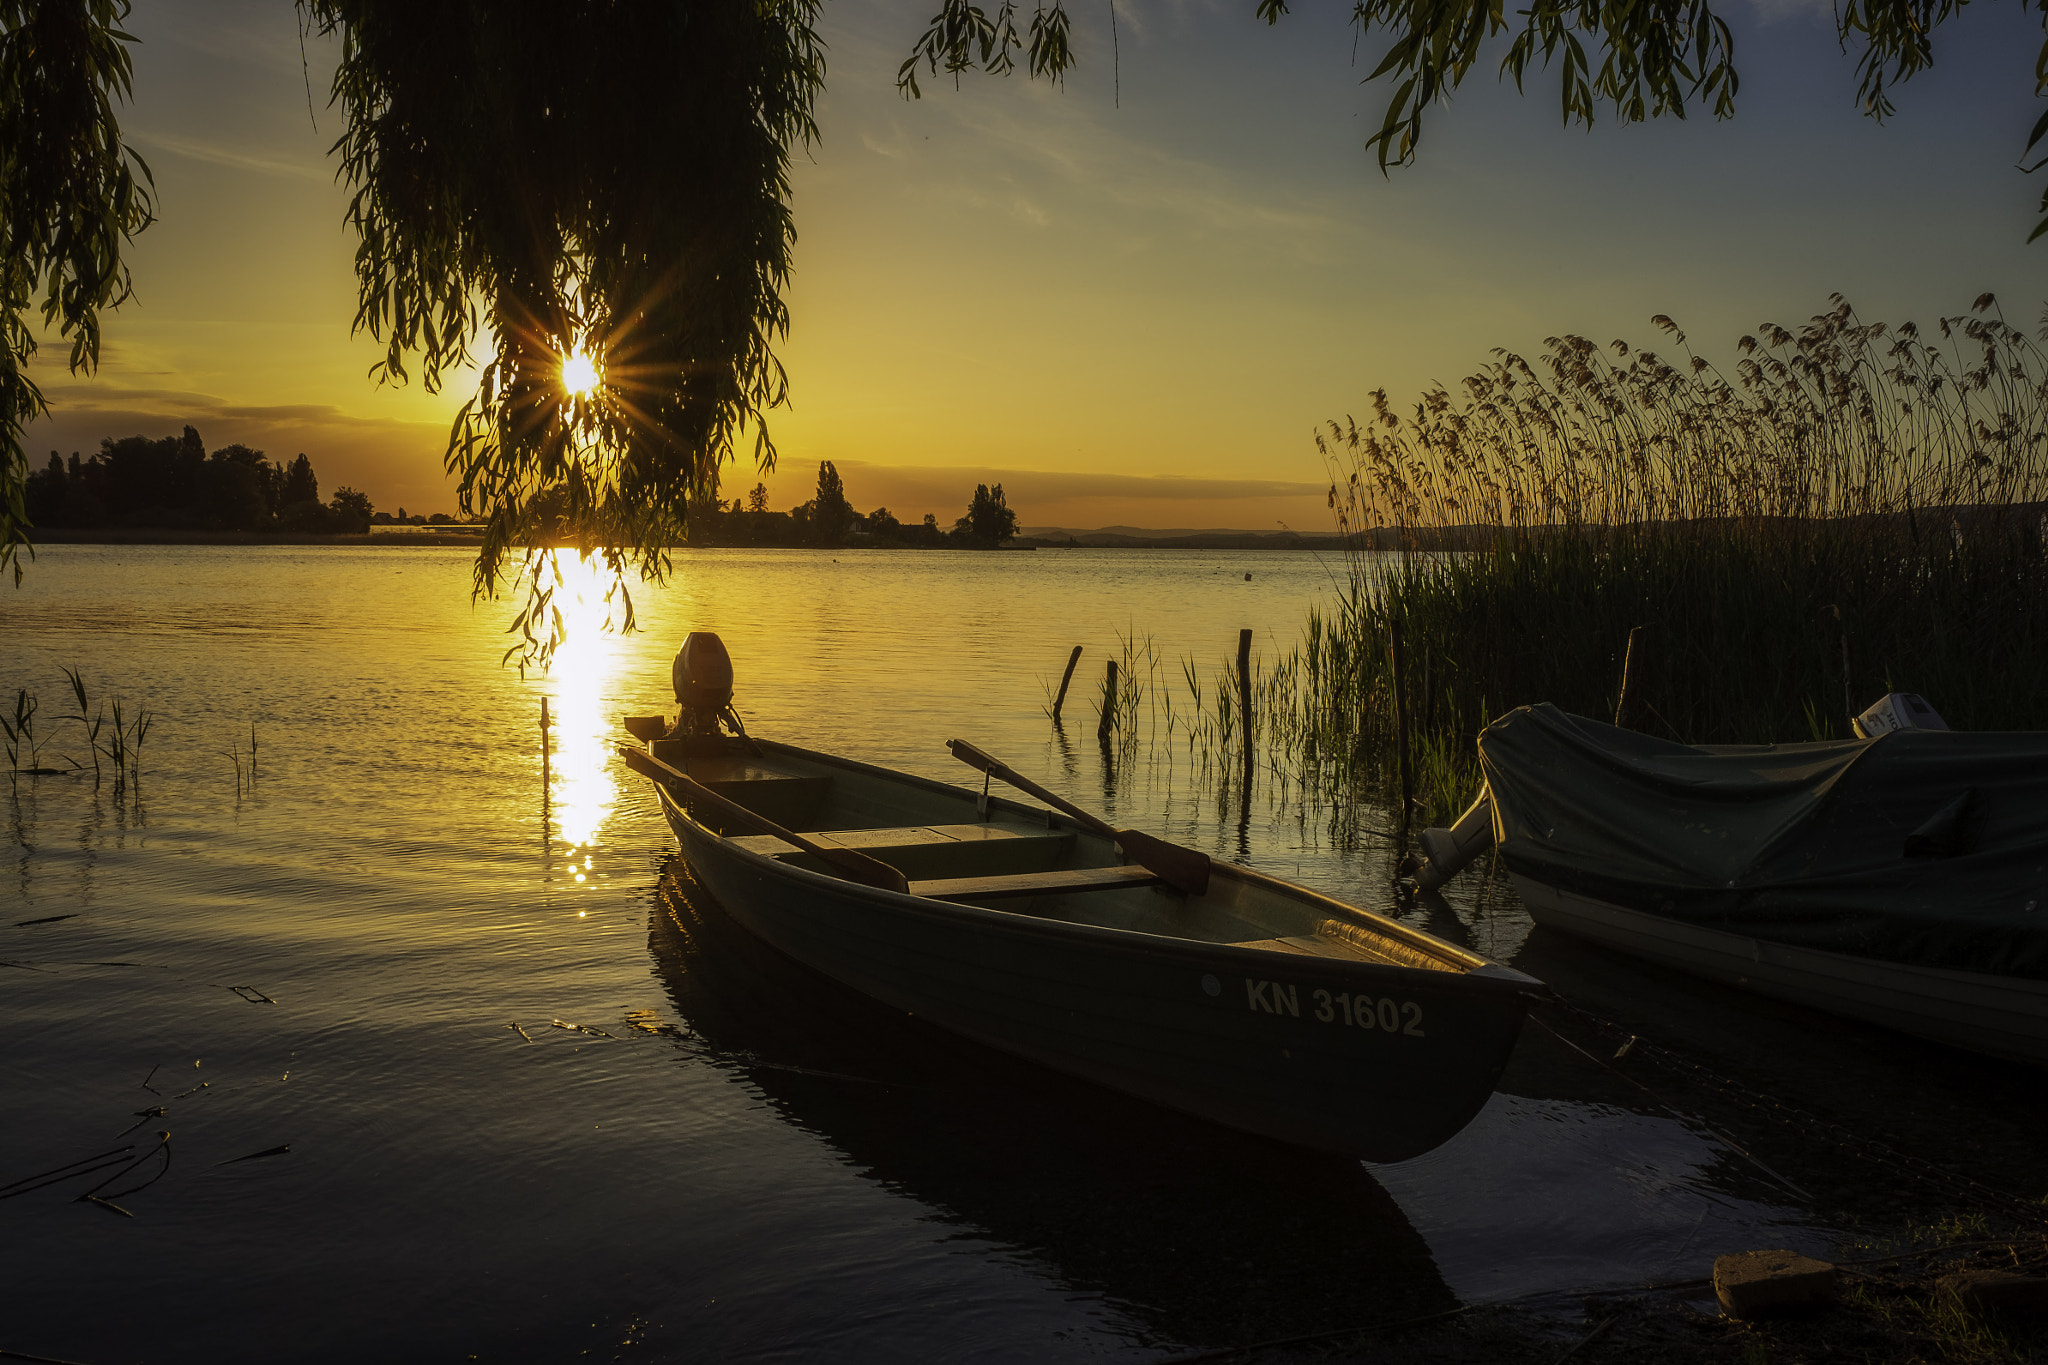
20, 735
1857, 509
1143, 703
120, 745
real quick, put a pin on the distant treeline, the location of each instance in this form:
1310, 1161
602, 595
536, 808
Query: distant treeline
174, 484
828, 519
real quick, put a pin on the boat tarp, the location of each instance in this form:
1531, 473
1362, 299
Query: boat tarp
1804, 844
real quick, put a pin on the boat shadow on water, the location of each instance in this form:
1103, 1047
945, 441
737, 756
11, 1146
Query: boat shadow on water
1203, 1235
1879, 1128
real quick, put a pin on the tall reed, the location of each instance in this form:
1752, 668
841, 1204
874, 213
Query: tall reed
1850, 485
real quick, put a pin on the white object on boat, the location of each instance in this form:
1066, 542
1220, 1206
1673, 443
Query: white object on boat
1445, 852
1897, 711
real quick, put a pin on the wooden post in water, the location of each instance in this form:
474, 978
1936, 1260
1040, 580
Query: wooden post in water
1399, 659
1631, 681
1244, 700
1103, 730
543, 742
1065, 678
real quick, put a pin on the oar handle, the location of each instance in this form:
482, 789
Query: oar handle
982, 761
857, 866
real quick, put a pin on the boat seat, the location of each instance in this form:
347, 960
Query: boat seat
1035, 883
870, 840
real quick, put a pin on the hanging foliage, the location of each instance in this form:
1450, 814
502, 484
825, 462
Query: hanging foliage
607, 180
1653, 57
71, 196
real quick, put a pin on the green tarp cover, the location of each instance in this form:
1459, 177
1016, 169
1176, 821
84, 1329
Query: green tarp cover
1802, 844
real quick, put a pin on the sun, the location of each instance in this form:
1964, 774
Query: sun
579, 373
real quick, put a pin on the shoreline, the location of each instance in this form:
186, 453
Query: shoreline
143, 535
454, 536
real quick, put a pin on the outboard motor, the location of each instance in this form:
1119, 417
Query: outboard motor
1897, 711
1445, 852
703, 681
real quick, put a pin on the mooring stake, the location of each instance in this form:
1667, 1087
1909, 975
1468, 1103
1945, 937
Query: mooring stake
1244, 701
1065, 678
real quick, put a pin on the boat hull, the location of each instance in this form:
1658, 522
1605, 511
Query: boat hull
1271, 1043
2004, 1016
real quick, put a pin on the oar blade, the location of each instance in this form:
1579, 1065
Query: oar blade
974, 756
1183, 869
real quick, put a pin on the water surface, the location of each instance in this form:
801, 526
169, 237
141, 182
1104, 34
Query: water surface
543, 1099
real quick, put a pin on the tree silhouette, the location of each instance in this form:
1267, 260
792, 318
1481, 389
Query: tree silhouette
617, 187
300, 485
234, 490
989, 521
831, 514
351, 511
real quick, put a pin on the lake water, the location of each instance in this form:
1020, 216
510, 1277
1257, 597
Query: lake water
366, 941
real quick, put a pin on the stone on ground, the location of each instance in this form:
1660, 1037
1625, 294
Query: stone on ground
1998, 1291
1753, 1283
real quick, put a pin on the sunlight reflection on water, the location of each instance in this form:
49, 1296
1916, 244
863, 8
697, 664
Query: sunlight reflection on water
583, 788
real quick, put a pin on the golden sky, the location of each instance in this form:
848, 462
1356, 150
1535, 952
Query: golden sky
1131, 298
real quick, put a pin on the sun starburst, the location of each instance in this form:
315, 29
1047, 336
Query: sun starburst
579, 374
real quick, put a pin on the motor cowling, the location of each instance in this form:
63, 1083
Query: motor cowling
702, 675
1446, 851
1897, 711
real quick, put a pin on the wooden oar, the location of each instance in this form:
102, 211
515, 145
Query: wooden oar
1184, 869
855, 867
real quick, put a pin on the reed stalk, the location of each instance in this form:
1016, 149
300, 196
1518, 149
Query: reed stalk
20, 731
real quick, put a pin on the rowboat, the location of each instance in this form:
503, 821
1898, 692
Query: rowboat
1901, 879
1214, 989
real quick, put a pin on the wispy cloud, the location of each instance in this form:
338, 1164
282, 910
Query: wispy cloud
192, 406
894, 150
1770, 12
1080, 153
213, 154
